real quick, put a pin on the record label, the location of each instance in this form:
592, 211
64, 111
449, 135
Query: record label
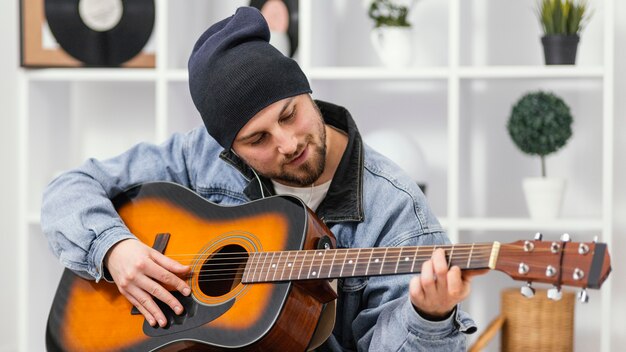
101, 32
101, 15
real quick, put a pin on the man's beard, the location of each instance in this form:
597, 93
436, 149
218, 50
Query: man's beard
308, 172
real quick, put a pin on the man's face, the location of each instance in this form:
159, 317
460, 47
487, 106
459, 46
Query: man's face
286, 142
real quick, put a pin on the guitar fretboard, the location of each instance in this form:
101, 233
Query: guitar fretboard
355, 262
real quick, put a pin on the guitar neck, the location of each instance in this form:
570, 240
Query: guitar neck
354, 262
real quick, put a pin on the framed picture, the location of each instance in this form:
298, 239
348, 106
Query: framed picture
39, 48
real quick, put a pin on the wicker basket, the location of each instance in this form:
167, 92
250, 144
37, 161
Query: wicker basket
537, 324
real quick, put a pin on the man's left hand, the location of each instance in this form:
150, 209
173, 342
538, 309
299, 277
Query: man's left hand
438, 289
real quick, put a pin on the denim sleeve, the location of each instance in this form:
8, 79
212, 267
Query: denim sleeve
77, 216
390, 323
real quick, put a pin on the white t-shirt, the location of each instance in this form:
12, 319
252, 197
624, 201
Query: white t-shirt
311, 196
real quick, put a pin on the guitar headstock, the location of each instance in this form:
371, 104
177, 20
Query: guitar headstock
560, 263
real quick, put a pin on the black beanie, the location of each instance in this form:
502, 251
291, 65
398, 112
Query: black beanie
234, 73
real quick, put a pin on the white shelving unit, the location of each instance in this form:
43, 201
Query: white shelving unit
454, 101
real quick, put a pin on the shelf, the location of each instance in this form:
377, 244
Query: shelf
531, 72
331, 73
92, 74
526, 224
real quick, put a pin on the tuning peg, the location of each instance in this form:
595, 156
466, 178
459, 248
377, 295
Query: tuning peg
583, 297
565, 237
555, 294
528, 291
538, 236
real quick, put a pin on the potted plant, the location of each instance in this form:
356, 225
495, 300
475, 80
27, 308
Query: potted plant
562, 21
540, 124
392, 34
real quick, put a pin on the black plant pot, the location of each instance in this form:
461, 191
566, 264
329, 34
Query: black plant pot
560, 49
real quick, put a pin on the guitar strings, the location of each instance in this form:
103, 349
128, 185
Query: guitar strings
307, 257
341, 253
283, 265
254, 272
429, 249
407, 250
238, 275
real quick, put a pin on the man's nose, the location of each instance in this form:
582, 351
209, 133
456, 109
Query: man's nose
287, 143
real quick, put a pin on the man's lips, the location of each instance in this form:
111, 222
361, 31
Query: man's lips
300, 158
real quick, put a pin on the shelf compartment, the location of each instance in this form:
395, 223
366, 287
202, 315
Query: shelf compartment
81, 120
344, 37
492, 168
492, 42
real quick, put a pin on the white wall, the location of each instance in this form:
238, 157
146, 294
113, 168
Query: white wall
9, 36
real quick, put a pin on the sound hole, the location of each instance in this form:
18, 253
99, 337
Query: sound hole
222, 272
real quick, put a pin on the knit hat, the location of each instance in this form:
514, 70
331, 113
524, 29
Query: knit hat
234, 73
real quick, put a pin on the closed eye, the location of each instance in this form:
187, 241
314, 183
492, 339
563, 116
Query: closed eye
260, 139
289, 117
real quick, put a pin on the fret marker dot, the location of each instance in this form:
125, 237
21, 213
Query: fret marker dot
319, 253
406, 259
376, 261
350, 261
314, 273
273, 265
289, 264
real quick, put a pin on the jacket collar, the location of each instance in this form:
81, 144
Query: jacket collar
344, 201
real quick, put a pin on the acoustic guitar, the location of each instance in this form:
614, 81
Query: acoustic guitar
260, 275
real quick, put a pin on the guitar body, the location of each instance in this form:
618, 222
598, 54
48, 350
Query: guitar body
222, 313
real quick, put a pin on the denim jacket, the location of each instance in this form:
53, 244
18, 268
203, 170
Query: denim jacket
370, 203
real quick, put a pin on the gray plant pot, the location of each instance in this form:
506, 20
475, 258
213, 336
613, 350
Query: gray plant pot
560, 49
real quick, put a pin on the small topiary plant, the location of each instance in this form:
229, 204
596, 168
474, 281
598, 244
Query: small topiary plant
540, 124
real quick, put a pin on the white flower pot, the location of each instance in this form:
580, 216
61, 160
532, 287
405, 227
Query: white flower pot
393, 45
544, 196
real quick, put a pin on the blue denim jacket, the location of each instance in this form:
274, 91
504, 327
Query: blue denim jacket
371, 202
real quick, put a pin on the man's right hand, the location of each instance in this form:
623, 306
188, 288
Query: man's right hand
141, 272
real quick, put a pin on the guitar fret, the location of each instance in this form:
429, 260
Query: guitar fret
414, 257
356, 261
302, 264
322, 263
343, 262
469, 258
295, 257
451, 254
315, 254
262, 267
282, 274
398, 261
280, 255
369, 261
382, 264
332, 265
267, 271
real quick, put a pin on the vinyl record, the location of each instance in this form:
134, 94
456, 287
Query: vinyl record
101, 32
